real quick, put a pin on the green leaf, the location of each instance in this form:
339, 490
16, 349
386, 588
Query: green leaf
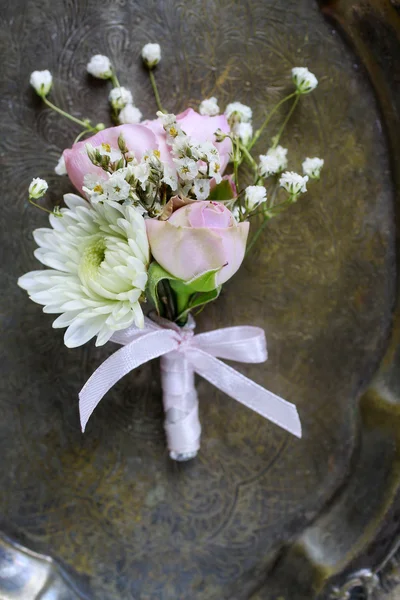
186, 293
156, 274
199, 300
222, 191
206, 282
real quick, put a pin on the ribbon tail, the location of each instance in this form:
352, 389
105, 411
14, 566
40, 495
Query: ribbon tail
245, 391
136, 353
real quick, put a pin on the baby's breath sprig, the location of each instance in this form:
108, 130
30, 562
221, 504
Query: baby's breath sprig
123, 110
151, 55
42, 81
37, 189
254, 200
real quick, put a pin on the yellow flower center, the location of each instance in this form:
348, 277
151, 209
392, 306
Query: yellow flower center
106, 147
92, 257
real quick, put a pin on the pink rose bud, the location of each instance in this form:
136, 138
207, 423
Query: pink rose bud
197, 238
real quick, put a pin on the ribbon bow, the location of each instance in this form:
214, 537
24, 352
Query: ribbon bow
163, 338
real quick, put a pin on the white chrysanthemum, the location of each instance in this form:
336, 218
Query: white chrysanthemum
98, 258
38, 188
151, 54
119, 97
60, 168
304, 80
243, 112
99, 66
312, 167
209, 107
255, 195
130, 115
41, 81
273, 162
244, 131
293, 183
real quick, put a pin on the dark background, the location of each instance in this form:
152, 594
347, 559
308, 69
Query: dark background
258, 514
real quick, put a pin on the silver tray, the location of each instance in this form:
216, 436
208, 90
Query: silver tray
258, 515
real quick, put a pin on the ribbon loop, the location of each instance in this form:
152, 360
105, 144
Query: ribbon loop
244, 344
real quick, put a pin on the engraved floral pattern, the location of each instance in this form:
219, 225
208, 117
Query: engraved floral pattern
110, 504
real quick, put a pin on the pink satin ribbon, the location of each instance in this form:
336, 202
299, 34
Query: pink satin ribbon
184, 353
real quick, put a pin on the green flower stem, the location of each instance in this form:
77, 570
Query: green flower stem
182, 298
40, 207
236, 163
84, 124
271, 212
285, 122
271, 200
268, 118
81, 134
114, 79
249, 158
155, 90
168, 298
267, 217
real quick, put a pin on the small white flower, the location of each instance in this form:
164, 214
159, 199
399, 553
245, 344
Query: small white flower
153, 159
90, 181
99, 66
293, 183
119, 97
244, 131
98, 258
151, 54
214, 170
130, 114
183, 146
273, 162
239, 110
171, 127
304, 80
209, 107
105, 150
187, 168
201, 188
238, 211
60, 168
166, 118
207, 151
312, 167
170, 178
269, 165
41, 81
141, 172
173, 131
93, 187
38, 188
116, 188
255, 195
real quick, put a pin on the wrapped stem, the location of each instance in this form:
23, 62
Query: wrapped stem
180, 400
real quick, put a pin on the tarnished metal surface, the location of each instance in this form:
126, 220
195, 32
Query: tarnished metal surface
110, 506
